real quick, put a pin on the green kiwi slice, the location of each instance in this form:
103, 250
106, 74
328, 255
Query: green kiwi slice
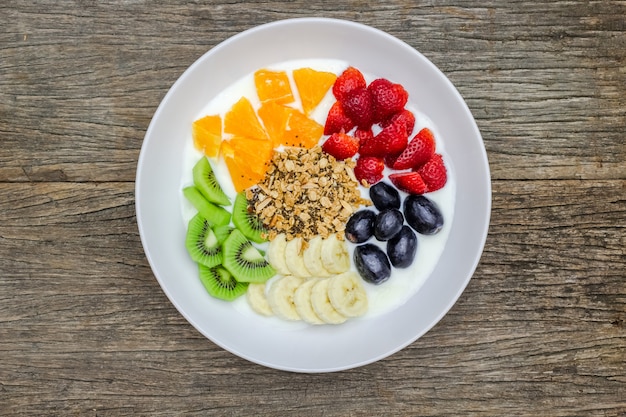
244, 261
205, 180
216, 215
247, 221
202, 243
222, 232
220, 283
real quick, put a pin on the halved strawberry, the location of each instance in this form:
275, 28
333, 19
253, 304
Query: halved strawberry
336, 121
390, 160
347, 81
390, 141
434, 173
358, 106
363, 135
341, 146
369, 169
409, 182
419, 150
388, 97
404, 115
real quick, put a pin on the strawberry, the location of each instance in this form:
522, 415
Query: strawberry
369, 170
388, 97
350, 79
390, 141
363, 135
409, 182
358, 106
341, 146
390, 159
406, 116
337, 120
418, 151
434, 173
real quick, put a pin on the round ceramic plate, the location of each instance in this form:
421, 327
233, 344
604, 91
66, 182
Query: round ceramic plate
158, 192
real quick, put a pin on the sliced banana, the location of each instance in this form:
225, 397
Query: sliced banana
276, 254
334, 254
302, 300
294, 259
255, 295
313, 258
347, 294
280, 297
321, 303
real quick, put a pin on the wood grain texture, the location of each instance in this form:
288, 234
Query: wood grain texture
86, 330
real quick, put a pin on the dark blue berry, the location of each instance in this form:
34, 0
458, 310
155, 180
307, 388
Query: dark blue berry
388, 223
402, 247
372, 263
422, 215
384, 196
360, 226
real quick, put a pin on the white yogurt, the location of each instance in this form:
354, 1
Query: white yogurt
404, 283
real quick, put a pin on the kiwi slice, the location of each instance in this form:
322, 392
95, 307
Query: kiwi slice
222, 232
216, 215
205, 180
220, 283
244, 261
248, 222
202, 243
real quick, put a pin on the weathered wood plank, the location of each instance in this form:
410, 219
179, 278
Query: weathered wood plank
100, 332
545, 82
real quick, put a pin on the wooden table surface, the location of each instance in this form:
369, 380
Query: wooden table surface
86, 330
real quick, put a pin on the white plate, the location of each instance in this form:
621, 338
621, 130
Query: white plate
316, 348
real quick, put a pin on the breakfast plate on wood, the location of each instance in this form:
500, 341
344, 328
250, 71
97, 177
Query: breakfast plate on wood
313, 205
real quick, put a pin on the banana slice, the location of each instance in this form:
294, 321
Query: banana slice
347, 294
276, 254
313, 258
321, 303
334, 254
294, 259
255, 295
302, 300
280, 297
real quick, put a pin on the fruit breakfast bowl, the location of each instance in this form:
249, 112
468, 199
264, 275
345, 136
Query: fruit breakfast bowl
169, 197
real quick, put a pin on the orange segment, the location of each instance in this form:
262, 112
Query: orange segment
207, 135
241, 120
274, 117
312, 86
256, 154
302, 131
273, 85
247, 160
241, 176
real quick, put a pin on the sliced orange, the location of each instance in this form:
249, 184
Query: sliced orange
275, 117
207, 135
241, 120
256, 154
241, 176
247, 160
273, 85
312, 86
302, 131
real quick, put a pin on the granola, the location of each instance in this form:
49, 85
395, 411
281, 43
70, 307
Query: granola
306, 193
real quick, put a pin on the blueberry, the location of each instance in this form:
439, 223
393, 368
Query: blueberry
388, 223
384, 196
422, 215
402, 247
372, 263
360, 226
